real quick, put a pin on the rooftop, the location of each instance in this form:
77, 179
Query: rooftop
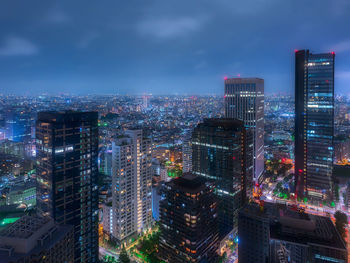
225, 123
24, 227
67, 116
23, 186
315, 229
294, 226
243, 80
188, 183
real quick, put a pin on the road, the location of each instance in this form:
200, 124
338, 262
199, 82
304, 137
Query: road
103, 252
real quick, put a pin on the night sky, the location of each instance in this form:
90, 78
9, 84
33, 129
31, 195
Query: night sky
165, 46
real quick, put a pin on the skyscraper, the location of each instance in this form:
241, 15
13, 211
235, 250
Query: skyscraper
187, 152
67, 152
131, 185
222, 153
188, 221
314, 120
244, 100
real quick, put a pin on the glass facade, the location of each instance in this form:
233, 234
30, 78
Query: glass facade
222, 151
67, 152
314, 121
18, 124
244, 100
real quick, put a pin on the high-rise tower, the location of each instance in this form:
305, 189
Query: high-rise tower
131, 185
187, 152
222, 151
314, 120
244, 100
188, 221
67, 151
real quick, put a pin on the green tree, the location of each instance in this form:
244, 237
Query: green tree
341, 220
336, 192
123, 257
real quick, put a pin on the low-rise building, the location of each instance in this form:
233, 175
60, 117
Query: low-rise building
36, 239
276, 233
22, 194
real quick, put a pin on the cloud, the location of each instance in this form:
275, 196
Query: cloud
248, 7
343, 75
87, 39
340, 7
57, 16
16, 46
342, 46
166, 28
201, 65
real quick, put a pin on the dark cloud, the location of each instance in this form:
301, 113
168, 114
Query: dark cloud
162, 46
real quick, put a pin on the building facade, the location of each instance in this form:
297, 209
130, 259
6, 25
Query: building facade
188, 221
187, 152
314, 121
107, 218
67, 174
18, 124
132, 185
244, 100
222, 151
24, 193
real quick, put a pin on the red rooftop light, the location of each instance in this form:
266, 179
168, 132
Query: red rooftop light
333, 53
225, 78
295, 50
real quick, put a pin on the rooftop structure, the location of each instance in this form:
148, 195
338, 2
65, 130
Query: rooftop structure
272, 232
37, 239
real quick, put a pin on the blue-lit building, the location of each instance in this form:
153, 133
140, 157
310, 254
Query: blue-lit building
67, 175
156, 198
314, 121
17, 125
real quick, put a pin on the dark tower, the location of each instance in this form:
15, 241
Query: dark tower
222, 152
67, 149
188, 221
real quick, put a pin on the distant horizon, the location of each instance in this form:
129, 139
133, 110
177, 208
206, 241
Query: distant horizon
290, 90
147, 94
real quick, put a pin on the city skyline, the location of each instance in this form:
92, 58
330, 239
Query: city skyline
175, 131
186, 48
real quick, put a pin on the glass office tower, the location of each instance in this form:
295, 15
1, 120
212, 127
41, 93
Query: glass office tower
244, 100
67, 151
314, 119
222, 151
